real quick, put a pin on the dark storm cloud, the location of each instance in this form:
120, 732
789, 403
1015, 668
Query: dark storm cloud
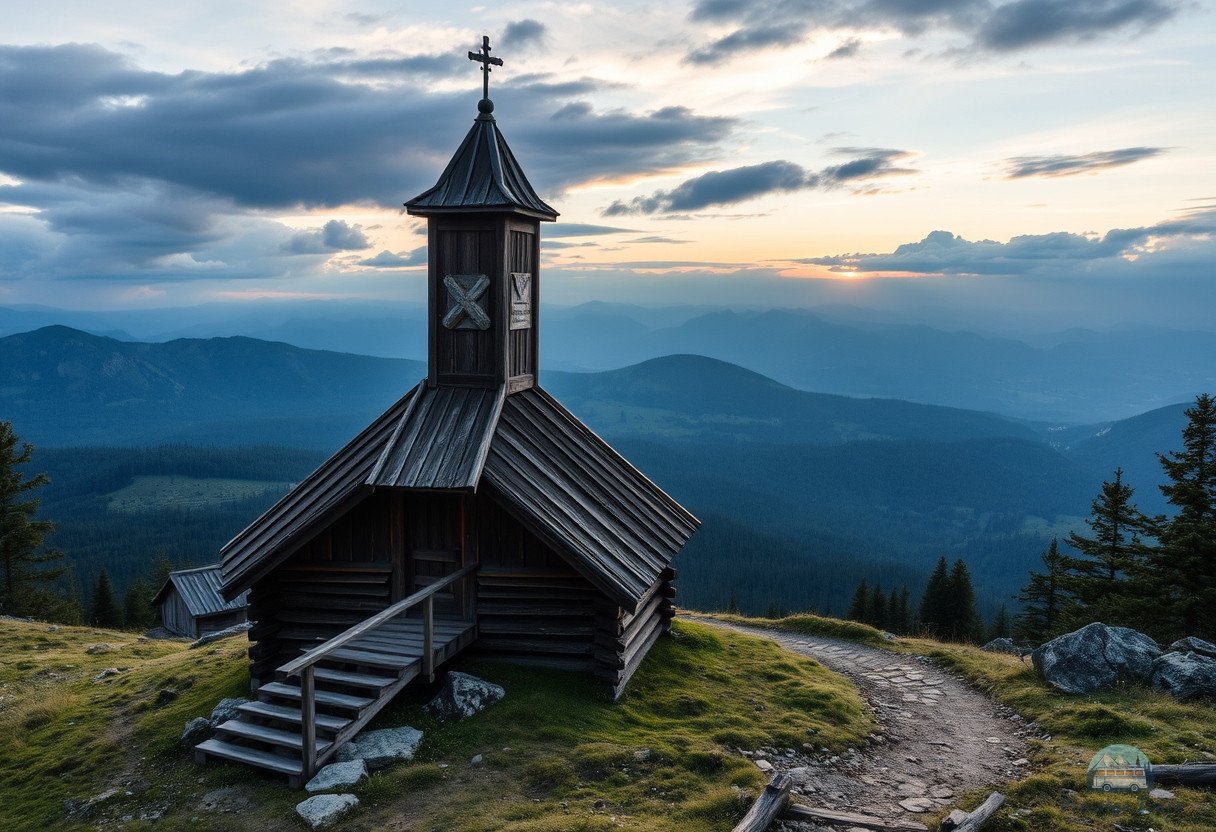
1058, 253
396, 260
335, 235
851, 48
1021, 167
727, 187
176, 154
523, 33
985, 25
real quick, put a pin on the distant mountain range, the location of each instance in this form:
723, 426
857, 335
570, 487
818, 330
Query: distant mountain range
836, 488
1075, 376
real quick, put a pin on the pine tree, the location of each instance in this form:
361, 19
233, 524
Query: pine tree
907, 625
964, 619
859, 606
1000, 624
1180, 579
27, 572
105, 611
776, 609
1099, 582
1044, 603
877, 608
934, 615
732, 606
895, 622
137, 611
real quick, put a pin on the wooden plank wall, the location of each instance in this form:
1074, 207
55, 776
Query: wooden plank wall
623, 639
464, 353
532, 607
522, 341
339, 578
175, 617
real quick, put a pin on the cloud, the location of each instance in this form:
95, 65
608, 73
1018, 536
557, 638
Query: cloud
1021, 167
1058, 253
984, 25
396, 260
583, 229
523, 33
849, 49
728, 187
334, 236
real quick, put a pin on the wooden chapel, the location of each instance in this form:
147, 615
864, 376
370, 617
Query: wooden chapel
476, 514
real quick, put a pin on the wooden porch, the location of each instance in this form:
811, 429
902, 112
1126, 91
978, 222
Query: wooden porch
323, 698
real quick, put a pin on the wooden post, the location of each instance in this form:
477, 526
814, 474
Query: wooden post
977, 818
308, 721
428, 638
767, 805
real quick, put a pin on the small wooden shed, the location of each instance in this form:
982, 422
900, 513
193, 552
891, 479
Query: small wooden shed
191, 603
477, 513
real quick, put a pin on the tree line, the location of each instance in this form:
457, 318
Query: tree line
1154, 573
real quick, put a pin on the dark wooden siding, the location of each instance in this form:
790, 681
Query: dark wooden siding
522, 342
337, 579
175, 617
465, 354
532, 606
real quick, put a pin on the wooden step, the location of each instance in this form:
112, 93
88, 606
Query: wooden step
362, 657
323, 697
354, 680
270, 736
251, 756
287, 714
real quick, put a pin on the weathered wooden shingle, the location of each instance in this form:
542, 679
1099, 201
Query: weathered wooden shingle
200, 591
482, 177
574, 491
442, 443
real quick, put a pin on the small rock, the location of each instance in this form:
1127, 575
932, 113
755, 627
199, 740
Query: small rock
165, 697
383, 747
462, 696
477, 760
642, 755
941, 792
955, 818
1190, 644
918, 804
993, 740
324, 809
599, 804
198, 729
54, 628
101, 647
106, 674
1161, 794
160, 634
1001, 645
764, 765
227, 709
337, 776
1021, 761
235, 630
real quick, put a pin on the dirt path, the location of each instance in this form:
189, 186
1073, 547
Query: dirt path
937, 737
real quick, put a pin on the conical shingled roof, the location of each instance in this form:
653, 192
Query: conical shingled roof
482, 176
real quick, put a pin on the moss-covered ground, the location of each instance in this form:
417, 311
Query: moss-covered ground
556, 753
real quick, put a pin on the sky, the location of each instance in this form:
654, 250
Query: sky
1028, 156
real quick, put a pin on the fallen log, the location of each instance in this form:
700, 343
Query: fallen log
767, 805
1195, 775
978, 818
800, 811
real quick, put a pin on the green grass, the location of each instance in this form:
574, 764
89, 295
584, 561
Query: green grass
557, 754
811, 625
158, 492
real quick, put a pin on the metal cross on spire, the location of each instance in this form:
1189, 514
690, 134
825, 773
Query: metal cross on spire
482, 56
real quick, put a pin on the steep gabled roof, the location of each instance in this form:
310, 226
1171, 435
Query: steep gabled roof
482, 176
200, 591
569, 487
548, 469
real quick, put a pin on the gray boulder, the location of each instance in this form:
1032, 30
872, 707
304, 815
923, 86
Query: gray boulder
1190, 644
234, 630
325, 809
1185, 675
226, 709
378, 749
462, 696
337, 776
1095, 657
198, 729
1001, 645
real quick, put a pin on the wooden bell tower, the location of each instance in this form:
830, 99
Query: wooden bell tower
483, 243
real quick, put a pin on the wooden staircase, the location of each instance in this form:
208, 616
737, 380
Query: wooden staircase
326, 696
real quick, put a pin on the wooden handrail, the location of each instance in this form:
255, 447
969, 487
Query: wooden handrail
318, 653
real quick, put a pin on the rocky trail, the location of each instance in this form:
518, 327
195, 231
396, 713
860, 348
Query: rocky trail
938, 738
